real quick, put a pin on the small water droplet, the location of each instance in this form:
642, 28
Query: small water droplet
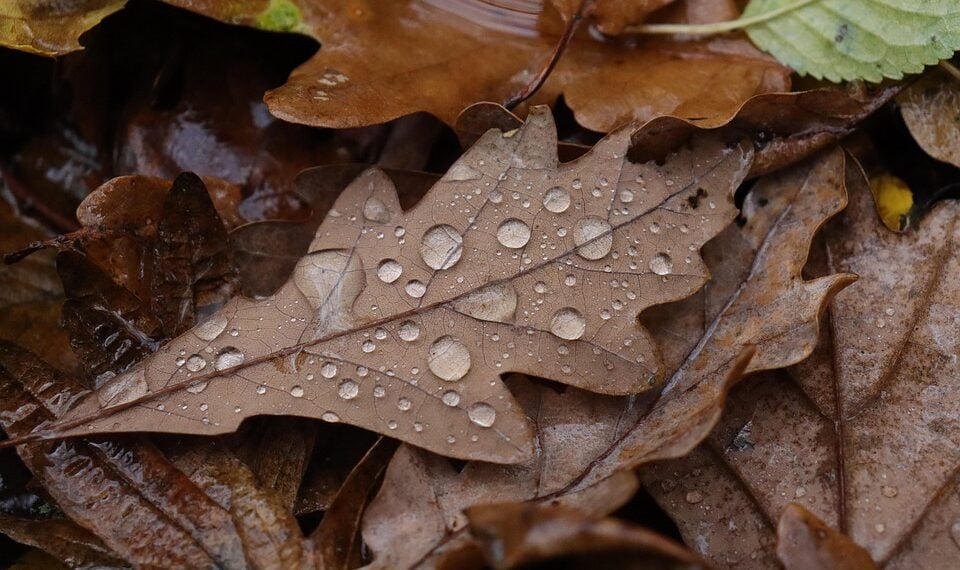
296, 391
204, 407
593, 237
626, 196
328, 370
799, 492
379, 391
196, 363
570, 280
889, 491
482, 414
654, 228
556, 200
228, 357
415, 289
389, 270
236, 409
513, 233
448, 359
392, 424
368, 346
450, 398
404, 404
417, 427
409, 331
330, 417
441, 247
380, 333
568, 324
375, 210
261, 389
890, 312
694, 497
880, 528
197, 387
540, 287
348, 389
661, 264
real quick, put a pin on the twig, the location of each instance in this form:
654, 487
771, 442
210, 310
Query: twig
716, 27
951, 69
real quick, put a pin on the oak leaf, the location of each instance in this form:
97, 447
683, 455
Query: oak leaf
863, 436
401, 322
582, 438
48, 29
931, 109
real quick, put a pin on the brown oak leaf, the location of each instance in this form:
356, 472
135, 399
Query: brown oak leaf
862, 434
931, 109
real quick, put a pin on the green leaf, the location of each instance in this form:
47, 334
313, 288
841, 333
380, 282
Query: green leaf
857, 39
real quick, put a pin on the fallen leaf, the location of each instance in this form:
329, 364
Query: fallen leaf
347, 339
582, 438
931, 108
63, 540
126, 492
843, 40
805, 543
45, 29
517, 534
862, 435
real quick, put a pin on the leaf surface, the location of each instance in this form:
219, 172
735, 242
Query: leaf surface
863, 435
931, 108
46, 29
843, 40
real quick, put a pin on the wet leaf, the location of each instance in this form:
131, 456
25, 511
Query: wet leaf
805, 543
862, 434
755, 302
51, 29
397, 321
517, 534
931, 109
62, 539
843, 40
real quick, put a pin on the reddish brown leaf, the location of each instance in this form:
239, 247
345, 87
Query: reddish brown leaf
931, 109
805, 543
62, 539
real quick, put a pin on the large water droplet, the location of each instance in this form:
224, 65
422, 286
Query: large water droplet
482, 414
389, 270
415, 289
441, 247
450, 398
348, 390
556, 200
228, 357
593, 237
296, 391
196, 363
448, 359
568, 324
409, 331
513, 233
376, 211
211, 328
496, 303
661, 264
123, 388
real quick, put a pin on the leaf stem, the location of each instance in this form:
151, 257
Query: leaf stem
716, 27
951, 69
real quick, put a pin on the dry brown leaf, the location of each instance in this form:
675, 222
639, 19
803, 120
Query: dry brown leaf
135, 500
369, 70
51, 29
863, 436
584, 438
402, 322
517, 534
805, 543
62, 539
931, 109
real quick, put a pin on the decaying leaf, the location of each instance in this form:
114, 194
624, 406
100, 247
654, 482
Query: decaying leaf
931, 109
864, 435
517, 534
857, 39
51, 28
402, 322
61, 539
584, 438
805, 543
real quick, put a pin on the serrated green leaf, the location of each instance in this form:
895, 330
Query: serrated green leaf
857, 39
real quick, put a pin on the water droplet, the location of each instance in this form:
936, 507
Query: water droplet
415, 289
362, 371
261, 389
593, 237
799, 492
210, 328
204, 407
328, 370
197, 387
661, 264
348, 389
392, 424
389, 270
556, 200
448, 359
694, 497
496, 303
296, 391
379, 391
417, 427
482, 414
330, 417
890, 312
880, 528
376, 211
626, 196
234, 332
654, 228
228, 357
881, 323
404, 404
368, 346
409, 331
196, 363
513, 233
568, 324
441, 247
889, 491
540, 287
180, 361
380, 333
570, 280
450, 398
